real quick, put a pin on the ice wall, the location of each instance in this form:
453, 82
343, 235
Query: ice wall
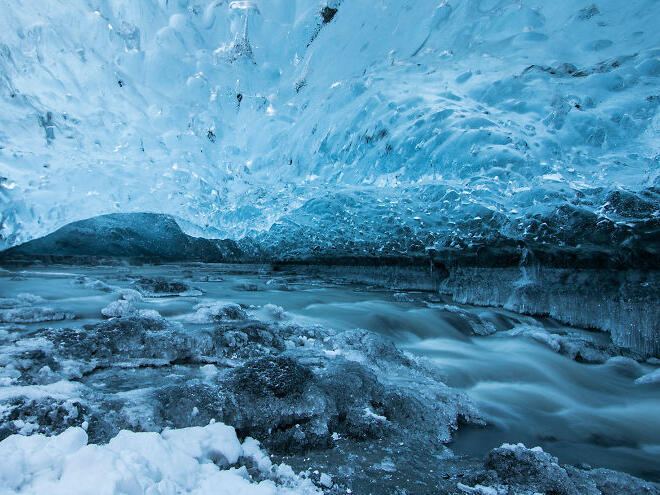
380, 126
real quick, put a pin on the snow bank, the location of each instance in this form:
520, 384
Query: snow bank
197, 460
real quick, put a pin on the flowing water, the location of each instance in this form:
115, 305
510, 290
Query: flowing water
592, 414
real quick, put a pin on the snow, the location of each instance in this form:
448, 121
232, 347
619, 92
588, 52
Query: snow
192, 460
424, 116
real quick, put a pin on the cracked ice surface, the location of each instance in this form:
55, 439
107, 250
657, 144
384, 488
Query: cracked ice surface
442, 122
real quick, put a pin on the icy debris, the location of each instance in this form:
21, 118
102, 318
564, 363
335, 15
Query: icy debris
370, 414
387, 465
251, 449
530, 467
580, 347
118, 309
209, 370
270, 312
196, 460
127, 306
208, 312
130, 337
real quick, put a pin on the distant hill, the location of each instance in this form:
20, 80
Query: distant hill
143, 236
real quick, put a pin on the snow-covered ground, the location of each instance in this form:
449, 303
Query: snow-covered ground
408, 122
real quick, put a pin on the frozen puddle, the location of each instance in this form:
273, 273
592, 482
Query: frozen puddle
326, 388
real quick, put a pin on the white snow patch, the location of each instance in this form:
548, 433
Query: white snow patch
174, 461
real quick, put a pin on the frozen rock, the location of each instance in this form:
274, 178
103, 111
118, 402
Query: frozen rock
118, 309
25, 416
473, 324
32, 315
532, 468
297, 400
576, 345
524, 471
130, 295
21, 300
128, 338
209, 312
28, 308
272, 311
127, 306
91, 283
160, 287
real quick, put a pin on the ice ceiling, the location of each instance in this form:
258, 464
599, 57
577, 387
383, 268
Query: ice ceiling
330, 124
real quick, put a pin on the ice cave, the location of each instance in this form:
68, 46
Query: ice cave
289, 247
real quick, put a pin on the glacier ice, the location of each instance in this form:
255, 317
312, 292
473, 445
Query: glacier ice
335, 126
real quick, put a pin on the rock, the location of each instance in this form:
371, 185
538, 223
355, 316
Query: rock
532, 468
160, 287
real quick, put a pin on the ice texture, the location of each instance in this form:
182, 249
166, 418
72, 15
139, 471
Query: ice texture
335, 126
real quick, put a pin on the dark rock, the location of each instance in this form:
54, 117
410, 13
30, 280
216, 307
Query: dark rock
47, 415
281, 376
531, 468
159, 287
328, 13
